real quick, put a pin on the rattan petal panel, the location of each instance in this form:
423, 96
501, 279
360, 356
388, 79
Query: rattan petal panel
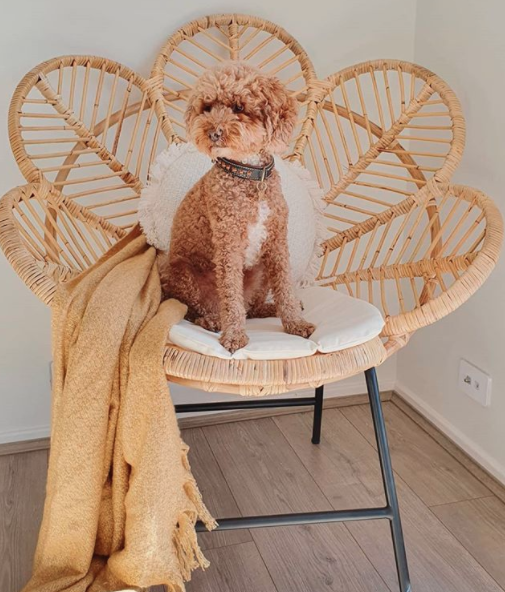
382, 138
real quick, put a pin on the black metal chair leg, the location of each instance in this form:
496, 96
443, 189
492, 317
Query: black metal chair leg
390, 512
388, 480
318, 415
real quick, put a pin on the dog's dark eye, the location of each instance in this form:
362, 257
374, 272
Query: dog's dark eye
207, 108
238, 108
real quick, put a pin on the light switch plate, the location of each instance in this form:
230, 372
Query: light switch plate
475, 383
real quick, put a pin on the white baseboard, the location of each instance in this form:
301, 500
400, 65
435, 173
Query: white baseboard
354, 386
24, 434
474, 451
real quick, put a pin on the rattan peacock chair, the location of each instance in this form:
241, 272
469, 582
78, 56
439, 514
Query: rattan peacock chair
382, 139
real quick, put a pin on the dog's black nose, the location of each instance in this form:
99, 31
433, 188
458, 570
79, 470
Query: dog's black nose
216, 134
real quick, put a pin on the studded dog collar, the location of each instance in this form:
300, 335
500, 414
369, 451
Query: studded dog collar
246, 171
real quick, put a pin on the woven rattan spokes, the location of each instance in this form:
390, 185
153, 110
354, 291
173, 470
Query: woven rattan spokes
48, 238
383, 126
382, 139
384, 131
419, 260
87, 125
208, 41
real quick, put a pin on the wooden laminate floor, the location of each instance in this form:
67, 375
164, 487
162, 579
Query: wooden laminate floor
454, 526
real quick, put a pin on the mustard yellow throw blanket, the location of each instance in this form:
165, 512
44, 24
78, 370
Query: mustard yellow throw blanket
121, 502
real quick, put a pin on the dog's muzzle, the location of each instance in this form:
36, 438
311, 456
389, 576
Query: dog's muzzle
216, 134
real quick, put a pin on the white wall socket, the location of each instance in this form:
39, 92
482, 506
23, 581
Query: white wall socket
474, 383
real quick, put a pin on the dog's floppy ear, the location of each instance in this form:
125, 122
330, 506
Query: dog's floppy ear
280, 112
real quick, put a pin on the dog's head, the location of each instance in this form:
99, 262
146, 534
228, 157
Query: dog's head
235, 111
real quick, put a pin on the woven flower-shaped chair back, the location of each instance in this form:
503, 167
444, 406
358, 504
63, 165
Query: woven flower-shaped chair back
382, 139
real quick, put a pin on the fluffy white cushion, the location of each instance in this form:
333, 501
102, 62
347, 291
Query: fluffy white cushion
180, 166
341, 322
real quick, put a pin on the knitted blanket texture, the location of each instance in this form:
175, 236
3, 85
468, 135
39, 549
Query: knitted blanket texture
121, 502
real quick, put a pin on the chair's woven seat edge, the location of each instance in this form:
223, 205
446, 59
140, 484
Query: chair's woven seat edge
266, 377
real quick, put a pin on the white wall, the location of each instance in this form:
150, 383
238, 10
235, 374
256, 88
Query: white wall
464, 43
336, 33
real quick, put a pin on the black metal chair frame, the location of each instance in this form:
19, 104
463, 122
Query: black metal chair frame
389, 512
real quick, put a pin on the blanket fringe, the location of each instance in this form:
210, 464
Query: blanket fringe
189, 554
193, 493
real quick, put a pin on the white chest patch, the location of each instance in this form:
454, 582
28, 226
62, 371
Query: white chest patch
256, 235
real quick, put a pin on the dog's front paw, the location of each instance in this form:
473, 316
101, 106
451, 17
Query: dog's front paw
234, 340
300, 327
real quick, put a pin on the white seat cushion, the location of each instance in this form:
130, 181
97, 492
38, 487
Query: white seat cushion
341, 322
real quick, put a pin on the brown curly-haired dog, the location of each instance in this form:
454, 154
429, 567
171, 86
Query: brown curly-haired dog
229, 247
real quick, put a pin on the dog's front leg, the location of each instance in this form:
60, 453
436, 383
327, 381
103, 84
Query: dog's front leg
228, 260
288, 307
